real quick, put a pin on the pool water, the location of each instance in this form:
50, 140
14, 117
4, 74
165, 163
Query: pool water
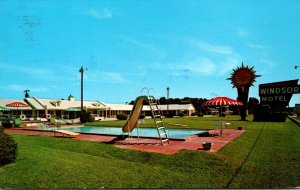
143, 132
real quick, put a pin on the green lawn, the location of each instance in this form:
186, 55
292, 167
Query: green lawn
191, 122
266, 156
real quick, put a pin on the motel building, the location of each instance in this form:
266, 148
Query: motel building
70, 108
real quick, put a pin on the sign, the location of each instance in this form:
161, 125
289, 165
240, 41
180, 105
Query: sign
278, 93
243, 77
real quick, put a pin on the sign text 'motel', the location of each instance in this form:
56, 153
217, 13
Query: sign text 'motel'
280, 92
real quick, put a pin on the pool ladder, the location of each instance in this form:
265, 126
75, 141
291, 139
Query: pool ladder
157, 117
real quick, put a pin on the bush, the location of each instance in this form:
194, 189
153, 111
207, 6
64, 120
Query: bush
181, 114
6, 124
86, 117
1, 129
263, 113
169, 114
8, 149
272, 117
142, 116
122, 116
200, 114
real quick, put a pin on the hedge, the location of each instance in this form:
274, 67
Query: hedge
8, 149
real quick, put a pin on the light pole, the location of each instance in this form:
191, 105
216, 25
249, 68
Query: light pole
168, 90
81, 70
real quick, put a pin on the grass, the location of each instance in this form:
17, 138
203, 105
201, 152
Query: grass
266, 156
190, 122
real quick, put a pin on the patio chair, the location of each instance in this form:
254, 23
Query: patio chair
18, 122
52, 120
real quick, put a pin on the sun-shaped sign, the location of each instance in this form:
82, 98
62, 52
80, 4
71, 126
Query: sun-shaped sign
243, 76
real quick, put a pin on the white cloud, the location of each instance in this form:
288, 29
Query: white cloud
267, 62
243, 33
21, 88
145, 46
257, 46
100, 14
105, 77
207, 59
37, 72
113, 77
17, 87
216, 49
5, 66
31, 71
226, 50
205, 67
200, 65
227, 65
38, 89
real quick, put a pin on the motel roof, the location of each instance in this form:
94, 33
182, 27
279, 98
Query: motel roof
61, 104
4, 102
64, 104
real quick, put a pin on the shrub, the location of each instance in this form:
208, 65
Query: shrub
8, 149
142, 116
200, 114
86, 117
6, 124
181, 114
1, 129
263, 113
169, 114
122, 116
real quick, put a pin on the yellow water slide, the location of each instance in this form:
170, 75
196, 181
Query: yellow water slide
135, 114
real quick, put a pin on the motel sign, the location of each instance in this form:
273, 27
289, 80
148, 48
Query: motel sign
278, 94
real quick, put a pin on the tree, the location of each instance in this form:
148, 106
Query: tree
163, 100
251, 104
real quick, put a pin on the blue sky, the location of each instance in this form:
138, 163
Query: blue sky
189, 45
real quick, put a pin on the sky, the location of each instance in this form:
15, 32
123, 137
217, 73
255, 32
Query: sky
190, 46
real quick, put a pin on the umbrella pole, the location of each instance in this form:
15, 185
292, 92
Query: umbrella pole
221, 131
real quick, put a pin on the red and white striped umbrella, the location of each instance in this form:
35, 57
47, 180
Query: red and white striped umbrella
223, 101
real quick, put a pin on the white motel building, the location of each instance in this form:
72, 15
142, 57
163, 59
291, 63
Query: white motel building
70, 108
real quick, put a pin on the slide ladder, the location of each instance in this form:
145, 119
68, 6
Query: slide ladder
157, 117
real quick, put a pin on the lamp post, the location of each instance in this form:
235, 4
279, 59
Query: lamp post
81, 70
168, 90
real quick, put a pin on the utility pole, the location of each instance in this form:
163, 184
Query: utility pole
168, 90
81, 70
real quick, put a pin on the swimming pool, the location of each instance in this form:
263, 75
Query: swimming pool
143, 132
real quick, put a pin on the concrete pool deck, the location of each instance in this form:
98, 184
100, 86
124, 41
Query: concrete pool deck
145, 144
